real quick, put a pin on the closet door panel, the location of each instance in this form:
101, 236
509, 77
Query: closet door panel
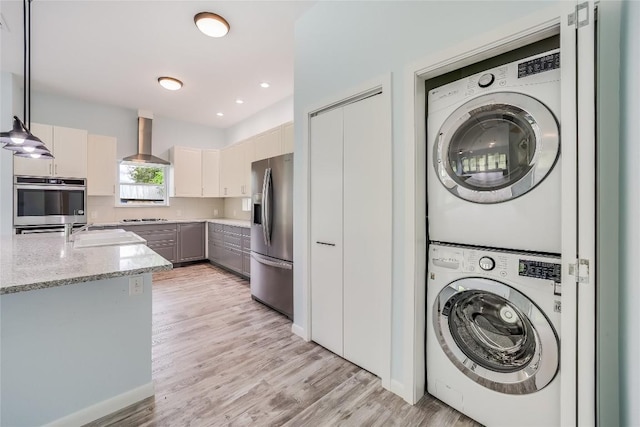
367, 230
326, 230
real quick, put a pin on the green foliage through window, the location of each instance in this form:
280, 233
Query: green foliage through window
146, 175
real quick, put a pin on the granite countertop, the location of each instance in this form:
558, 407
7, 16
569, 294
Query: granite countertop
31, 261
227, 221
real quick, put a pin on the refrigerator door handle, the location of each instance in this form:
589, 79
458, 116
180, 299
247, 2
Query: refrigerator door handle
266, 207
266, 261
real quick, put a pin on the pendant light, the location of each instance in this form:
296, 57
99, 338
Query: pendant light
19, 138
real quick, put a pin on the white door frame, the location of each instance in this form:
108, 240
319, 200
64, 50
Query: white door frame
532, 28
384, 83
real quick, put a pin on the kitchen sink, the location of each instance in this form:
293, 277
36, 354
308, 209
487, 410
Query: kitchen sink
90, 239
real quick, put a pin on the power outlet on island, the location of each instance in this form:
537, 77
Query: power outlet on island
136, 285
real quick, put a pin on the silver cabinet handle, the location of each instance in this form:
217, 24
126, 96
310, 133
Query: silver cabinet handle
326, 243
56, 169
50, 169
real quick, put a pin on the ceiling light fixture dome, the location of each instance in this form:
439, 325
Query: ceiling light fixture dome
211, 24
170, 83
264, 85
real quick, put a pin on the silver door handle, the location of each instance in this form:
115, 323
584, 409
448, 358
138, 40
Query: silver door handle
326, 243
278, 264
50, 169
56, 169
266, 207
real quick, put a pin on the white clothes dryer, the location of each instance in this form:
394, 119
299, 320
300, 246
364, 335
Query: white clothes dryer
493, 149
493, 325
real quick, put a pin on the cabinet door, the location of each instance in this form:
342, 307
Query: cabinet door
187, 171
191, 241
367, 230
326, 230
101, 165
210, 173
36, 167
231, 159
268, 144
70, 151
248, 156
287, 138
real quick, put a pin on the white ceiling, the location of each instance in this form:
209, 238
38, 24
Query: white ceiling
112, 52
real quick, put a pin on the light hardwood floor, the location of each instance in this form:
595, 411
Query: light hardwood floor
220, 358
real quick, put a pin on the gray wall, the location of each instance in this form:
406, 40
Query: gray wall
10, 105
67, 348
630, 216
341, 45
608, 110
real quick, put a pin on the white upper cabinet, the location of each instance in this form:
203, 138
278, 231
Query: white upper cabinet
186, 167
269, 144
287, 138
68, 146
235, 169
101, 165
210, 173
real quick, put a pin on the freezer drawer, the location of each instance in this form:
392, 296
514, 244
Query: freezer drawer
272, 283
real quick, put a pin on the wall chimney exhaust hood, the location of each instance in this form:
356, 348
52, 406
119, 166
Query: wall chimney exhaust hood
144, 143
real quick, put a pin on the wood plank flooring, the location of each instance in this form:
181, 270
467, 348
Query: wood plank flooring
220, 358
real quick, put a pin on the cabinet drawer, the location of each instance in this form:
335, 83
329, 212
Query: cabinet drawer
160, 228
155, 237
213, 226
246, 243
230, 239
166, 251
231, 229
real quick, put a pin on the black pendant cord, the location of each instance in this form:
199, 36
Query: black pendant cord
29, 65
24, 63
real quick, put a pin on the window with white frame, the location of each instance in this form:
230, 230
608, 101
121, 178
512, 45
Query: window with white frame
143, 184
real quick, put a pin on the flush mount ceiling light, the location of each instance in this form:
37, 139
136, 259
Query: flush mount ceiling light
170, 83
239, 101
219, 114
19, 139
211, 24
264, 85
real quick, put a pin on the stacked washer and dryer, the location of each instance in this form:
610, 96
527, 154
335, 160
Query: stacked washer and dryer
493, 288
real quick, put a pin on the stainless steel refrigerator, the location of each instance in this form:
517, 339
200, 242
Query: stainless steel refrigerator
272, 233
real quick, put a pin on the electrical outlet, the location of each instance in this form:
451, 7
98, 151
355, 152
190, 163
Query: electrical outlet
136, 285
94, 214
215, 212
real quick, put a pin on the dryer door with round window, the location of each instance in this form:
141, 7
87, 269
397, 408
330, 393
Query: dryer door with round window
496, 336
496, 147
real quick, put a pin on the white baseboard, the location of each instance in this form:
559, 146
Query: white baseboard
397, 387
106, 407
299, 331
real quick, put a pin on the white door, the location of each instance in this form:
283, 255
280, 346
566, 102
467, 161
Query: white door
210, 173
326, 230
101, 165
70, 151
367, 230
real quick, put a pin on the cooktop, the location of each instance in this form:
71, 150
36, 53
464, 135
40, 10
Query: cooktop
144, 220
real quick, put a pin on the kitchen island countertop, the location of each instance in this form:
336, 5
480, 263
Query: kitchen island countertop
30, 261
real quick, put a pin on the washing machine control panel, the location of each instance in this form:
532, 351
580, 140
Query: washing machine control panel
539, 270
487, 263
485, 80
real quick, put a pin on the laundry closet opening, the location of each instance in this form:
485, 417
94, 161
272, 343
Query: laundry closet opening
496, 162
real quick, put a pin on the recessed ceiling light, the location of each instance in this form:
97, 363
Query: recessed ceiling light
211, 24
264, 85
170, 83
219, 114
239, 101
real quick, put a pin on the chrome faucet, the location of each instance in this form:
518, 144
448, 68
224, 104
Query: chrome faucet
69, 232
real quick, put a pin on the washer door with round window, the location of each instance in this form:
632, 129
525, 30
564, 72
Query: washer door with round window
496, 147
496, 336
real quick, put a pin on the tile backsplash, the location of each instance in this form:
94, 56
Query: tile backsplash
233, 209
102, 209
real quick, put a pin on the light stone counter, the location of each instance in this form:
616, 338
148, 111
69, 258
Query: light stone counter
234, 222
31, 261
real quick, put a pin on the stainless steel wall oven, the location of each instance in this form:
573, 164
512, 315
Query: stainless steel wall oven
45, 201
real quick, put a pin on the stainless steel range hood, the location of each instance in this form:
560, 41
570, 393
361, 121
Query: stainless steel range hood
144, 145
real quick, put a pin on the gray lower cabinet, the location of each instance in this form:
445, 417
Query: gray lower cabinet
191, 241
162, 238
229, 247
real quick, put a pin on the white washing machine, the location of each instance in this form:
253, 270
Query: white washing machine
493, 324
493, 149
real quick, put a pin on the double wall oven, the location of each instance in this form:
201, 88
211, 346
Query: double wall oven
45, 204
